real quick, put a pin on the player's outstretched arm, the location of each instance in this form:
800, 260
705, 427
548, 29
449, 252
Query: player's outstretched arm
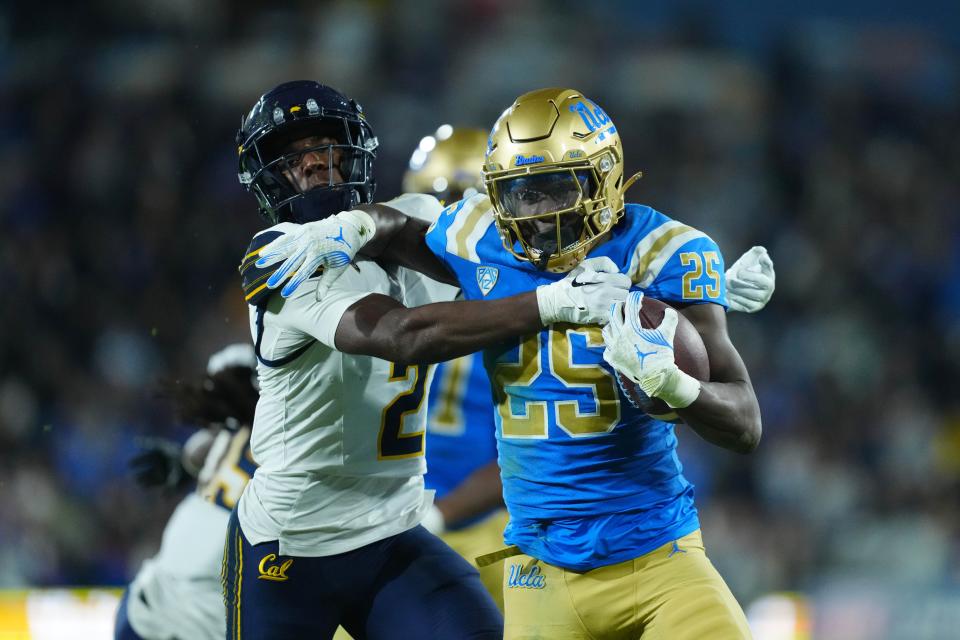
723, 411
380, 326
374, 230
401, 239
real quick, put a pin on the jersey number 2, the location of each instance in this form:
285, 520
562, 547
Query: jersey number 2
394, 443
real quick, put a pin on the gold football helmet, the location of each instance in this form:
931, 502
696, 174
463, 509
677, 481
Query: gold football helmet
447, 164
554, 172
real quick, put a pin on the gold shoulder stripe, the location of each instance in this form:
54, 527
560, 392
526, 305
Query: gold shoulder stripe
652, 261
471, 221
470, 224
651, 246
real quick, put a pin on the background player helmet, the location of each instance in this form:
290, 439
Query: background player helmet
447, 164
227, 395
294, 111
554, 172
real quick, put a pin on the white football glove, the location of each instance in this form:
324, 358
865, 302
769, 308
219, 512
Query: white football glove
646, 355
330, 243
584, 296
751, 281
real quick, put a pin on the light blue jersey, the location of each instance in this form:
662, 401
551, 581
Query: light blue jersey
460, 425
588, 479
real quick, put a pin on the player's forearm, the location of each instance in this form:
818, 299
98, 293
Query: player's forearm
401, 240
435, 332
479, 492
726, 414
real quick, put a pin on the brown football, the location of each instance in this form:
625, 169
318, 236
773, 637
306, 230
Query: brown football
688, 352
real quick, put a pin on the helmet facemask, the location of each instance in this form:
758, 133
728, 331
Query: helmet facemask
552, 215
554, 173
295, 121
347, 165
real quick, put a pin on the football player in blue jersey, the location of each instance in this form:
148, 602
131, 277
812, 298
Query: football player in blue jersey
605, 538
461, 442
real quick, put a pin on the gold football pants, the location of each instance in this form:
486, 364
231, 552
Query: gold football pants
670, 593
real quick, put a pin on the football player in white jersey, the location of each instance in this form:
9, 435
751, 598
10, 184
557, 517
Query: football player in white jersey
327, 532
177, 593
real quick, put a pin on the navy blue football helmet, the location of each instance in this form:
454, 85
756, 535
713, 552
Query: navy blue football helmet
297, 111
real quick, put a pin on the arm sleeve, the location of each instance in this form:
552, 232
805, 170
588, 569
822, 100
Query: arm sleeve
304, 313
417, 205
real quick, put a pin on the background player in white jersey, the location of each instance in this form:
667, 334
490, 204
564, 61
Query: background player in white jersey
605, 533
326, 532
177, 593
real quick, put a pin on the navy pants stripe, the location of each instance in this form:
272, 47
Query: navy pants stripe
411, 585
122, 629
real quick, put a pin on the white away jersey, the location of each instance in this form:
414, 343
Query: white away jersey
177, 593
339, 439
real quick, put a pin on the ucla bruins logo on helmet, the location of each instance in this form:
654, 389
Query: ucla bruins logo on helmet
554, 172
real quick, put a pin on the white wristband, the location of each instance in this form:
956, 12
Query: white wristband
545, 304
679, 390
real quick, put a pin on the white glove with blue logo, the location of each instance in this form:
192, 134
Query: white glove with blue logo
584, 296
646, 355
330, 243
751, 281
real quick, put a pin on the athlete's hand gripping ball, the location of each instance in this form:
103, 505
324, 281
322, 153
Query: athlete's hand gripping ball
751, 281
584, 296
646, 355
330, 243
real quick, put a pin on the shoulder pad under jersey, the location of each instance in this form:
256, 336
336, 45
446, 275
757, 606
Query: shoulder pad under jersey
254, 278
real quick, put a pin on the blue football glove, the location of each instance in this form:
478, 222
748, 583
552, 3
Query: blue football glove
646, 355
330, 243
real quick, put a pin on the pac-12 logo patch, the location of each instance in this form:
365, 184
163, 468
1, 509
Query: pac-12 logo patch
487, 278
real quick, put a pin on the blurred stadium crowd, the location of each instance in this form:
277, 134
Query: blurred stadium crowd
834, 144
